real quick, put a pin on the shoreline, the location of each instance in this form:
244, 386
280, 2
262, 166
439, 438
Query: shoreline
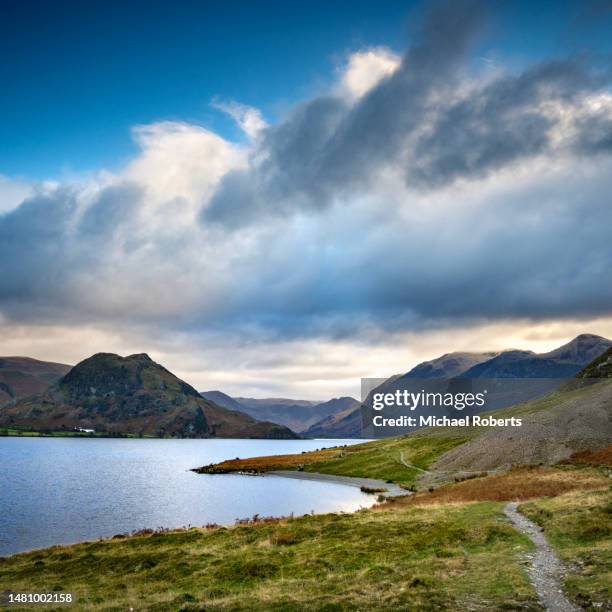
391, 489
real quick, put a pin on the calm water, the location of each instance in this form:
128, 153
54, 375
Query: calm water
64, 490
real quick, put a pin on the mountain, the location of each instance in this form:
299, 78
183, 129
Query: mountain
567, 421
298, 415
344, 424
563, 362
251, 402
582, 349
114, 394
223, 400
449, 365
23, 376
598, 368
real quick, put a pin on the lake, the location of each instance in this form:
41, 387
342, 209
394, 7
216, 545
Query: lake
65, 490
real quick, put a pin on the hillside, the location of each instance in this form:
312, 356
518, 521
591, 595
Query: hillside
449, 365
223, 400
565, 361
344, 424
23, 376
599, 368
114, 394
298, 415
553, 428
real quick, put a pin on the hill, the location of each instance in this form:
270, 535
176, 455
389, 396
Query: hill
553, 428
449, 365
565, 361
344, 424
298, 415
599, 368
567, 421
114, 394
223, 400
23, 376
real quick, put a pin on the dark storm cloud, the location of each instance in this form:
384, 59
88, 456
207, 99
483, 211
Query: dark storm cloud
419, 120
45, 243
498, 124
328, 146
433, 243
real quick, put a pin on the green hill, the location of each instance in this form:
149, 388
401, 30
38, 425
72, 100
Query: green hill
135, 395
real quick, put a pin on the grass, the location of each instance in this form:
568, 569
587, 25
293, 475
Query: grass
519, 483
400, 558
399, 459
64, 433
444, 550
383, 459
601, 456
579, 526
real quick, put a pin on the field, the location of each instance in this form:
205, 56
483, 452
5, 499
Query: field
446, 557
398, 459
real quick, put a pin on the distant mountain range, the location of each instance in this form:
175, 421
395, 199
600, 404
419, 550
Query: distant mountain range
563, 362
298, 415
114, 394
134, 394
22, 376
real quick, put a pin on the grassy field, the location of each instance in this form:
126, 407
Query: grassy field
400, 459
427, 552
407, 558
388, 459
519, 483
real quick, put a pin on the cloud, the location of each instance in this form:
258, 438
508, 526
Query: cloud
329, 146
248, 119
414, 195
365, 69
12, 193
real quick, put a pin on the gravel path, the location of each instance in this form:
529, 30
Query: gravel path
545, 569
391, 489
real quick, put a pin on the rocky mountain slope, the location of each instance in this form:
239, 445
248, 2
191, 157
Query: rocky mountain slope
598, 368
449, 365
552, 429
23, 376
563, 362
132, 394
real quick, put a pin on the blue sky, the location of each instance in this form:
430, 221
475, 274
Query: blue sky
77, 75
279, 198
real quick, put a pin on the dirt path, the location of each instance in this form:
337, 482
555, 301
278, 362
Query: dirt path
545, 569
409, 465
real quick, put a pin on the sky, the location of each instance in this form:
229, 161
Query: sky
282, 198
